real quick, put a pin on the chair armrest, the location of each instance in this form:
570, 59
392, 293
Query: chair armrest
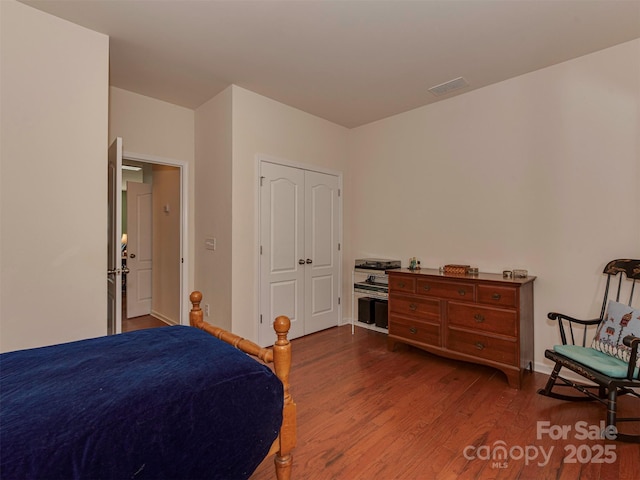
561, 316
582, 330
633, 342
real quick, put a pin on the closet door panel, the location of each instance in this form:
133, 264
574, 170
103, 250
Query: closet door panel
321, 246
282, 276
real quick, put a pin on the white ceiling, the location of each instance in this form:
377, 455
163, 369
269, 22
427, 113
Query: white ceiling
348, 61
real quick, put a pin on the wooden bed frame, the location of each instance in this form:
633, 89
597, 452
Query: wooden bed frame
280, 357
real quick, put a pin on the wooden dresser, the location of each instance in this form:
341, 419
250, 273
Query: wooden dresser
481, 318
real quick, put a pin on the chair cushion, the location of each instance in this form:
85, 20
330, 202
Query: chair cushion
603, 363
619, 321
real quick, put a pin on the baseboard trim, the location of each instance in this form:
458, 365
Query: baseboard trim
543, 368
163, 318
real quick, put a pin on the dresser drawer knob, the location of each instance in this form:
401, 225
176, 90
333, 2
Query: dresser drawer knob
401, 284
462, 292
496, 296
413, 307
480, 346
413, 330
426, 287
479, 317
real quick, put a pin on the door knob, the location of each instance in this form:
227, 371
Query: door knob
301, 261
309, 260
133, 255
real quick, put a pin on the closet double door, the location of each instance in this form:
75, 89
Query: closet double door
299, 249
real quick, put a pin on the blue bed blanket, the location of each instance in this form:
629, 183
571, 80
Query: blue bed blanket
170, 402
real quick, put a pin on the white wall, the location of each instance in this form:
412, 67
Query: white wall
213, 206
264, 126
54, 94
540, 172
153, 128
165, 285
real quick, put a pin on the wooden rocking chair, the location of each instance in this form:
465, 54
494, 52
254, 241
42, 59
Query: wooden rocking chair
611, 361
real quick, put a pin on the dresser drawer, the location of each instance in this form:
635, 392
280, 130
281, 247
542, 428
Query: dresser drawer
490, 348
402, 284
415, 306
414, 330
447, 290
494, 320
497, 295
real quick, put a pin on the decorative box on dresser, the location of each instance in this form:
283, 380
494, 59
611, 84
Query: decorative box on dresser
482, 318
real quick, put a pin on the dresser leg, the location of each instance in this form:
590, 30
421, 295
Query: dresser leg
514, 377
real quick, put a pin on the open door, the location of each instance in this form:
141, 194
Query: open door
114, 232
139, 248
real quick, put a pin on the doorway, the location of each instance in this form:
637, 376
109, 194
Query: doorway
153, 241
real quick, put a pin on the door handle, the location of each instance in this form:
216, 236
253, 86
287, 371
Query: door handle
113, 271
301, 261
309, 261
125, 270
133, 255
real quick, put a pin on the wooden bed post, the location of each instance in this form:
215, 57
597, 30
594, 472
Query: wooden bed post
280, 356
282, 366
195, 315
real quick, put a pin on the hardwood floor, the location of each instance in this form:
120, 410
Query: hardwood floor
367, 413
137, 323
140, 323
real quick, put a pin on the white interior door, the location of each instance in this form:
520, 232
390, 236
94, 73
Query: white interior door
139, 249
322, 255
114, 235
299, 262
282, 262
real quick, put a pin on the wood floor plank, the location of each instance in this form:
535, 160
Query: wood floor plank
367, 413
141, 323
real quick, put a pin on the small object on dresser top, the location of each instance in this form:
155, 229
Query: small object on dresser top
520, 273
507, 273
460, 269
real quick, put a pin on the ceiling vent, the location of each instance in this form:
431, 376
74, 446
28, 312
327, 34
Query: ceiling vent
451, 85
